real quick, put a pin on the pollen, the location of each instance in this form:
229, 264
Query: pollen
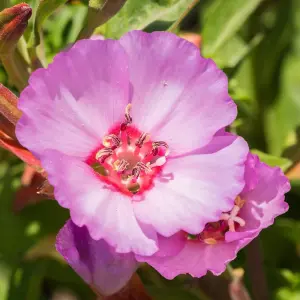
130, 158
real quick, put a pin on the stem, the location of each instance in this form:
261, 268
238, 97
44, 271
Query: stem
134, 290
183, 15
256, 271
214, 287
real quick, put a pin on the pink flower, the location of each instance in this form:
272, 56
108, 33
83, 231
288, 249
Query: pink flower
95, 261
255, 209
125, 130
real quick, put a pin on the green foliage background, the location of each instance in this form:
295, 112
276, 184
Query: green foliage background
257, 43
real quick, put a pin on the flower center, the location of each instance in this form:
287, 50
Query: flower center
128, 159
214, 232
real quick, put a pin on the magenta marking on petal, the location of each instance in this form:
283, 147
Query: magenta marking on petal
130, 159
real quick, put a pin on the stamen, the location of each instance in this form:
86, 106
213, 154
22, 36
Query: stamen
157, 145
239, 201
128, 159
144, 138
136, 171
103, 154
120, 165
128, 118
159, 162
111, 141
210, 241
140, 166
127, 114
144, 167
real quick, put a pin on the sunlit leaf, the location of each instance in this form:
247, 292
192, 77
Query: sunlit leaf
222, 21
272, 160
138, 14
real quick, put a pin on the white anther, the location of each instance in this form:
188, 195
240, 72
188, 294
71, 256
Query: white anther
159, 162
111, 141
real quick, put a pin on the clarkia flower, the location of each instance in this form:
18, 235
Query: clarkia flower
255, 209
127, 132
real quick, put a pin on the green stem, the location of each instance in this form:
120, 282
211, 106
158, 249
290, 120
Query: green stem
183, 15
257, 275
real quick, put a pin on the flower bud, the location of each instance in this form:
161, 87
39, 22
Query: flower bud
13, 22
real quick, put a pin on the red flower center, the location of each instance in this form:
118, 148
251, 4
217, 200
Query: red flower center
128, 159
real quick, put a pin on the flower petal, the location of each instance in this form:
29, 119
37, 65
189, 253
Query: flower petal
194, 190
195, 259
107, 214
177, 96
95, 261
264, 195
70, 105
264, 202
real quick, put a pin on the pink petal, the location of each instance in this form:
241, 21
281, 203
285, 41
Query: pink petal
107, 214
195, 259
177, 96
95, 261
196, 190
70, 105
167, 246
264, 202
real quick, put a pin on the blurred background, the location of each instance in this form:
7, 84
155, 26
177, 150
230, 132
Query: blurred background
257, 44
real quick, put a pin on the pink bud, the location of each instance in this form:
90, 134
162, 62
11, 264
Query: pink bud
13, 22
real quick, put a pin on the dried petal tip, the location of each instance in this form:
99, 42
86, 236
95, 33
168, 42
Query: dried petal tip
13, 22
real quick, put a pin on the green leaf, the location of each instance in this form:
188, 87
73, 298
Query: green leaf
44, 10
26, 282
234, 50
137, 14
272, 160
99, 13
66, 24
283, 116
222, 21
5, 275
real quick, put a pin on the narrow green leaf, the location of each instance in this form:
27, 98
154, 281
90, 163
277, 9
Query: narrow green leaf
222, 21
282, 117
234, 50
44, 10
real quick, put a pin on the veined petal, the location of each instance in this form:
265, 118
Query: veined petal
71, 105
194, 190
95, 261
264, 202
106, 213
195, 259
177, 96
